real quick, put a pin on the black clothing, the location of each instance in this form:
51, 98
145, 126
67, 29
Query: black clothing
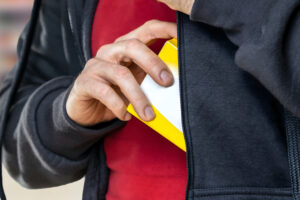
238, 71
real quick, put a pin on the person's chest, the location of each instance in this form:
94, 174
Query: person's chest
113, 19
144, 163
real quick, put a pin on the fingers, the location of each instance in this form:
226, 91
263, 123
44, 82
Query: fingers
105, 71
140, 54
131, 48
124, 79
104, 93
138, 73
100, 78
151, 30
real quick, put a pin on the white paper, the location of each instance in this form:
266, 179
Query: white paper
165, 99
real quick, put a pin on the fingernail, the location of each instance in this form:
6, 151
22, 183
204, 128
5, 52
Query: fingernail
149, 112
166, 77
127, 116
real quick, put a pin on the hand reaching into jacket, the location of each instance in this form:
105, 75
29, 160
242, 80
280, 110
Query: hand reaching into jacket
111, 80
184, 6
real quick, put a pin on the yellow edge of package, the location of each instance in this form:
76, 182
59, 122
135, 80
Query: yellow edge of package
165, 100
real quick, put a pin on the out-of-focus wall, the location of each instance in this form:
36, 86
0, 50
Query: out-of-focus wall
13, 17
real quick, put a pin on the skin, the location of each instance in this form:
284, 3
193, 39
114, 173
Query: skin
112, 79
184, 6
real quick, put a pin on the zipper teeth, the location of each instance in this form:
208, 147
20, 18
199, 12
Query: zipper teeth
180, 71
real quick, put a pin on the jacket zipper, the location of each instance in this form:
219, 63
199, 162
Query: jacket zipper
181, 90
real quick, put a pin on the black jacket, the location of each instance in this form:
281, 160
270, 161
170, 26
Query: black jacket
239, 84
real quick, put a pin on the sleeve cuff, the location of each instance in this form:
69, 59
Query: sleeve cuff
57, 131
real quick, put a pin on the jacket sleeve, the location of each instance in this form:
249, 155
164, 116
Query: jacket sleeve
267, 34
42, 147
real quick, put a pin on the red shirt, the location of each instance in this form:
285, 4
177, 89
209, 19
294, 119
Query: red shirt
143, 164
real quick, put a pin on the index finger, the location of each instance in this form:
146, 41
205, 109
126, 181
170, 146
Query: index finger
152, 30
136, 51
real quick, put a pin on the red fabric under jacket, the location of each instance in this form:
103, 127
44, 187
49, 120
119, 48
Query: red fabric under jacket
143, 164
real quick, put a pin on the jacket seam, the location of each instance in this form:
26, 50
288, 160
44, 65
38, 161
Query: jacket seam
257, 191
245, 194
186, 121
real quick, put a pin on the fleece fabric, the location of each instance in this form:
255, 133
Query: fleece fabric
239, 69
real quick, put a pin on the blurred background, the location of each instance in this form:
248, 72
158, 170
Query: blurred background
14, 14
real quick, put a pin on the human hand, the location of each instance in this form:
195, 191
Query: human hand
184, 6
112, 79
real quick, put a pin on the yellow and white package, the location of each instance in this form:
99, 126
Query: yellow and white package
165, 101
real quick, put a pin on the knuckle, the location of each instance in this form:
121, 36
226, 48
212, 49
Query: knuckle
120, 109
101, 64
122, 73
91, 62
132, 43
151, 22
150, 29
77, 84
101, 51
93, 67
80, 79
119, 39
140, 101
104, 90
80, 83
155, 65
